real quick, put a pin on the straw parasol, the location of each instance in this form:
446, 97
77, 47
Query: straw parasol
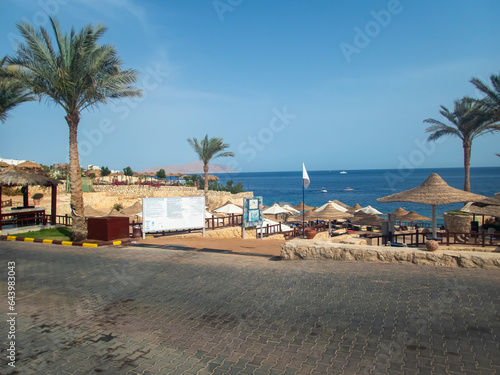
434, 191
413, 216
275, 209
347, 207
361, 218
29, 165
355, 208
229, 208
290, 208
302, 207
333, 205
330, 213
133, 210
370, 210
116, 213
88, 211
399, 212
211, 177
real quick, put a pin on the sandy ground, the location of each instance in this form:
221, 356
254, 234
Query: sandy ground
237, 245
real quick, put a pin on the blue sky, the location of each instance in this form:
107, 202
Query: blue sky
333, 84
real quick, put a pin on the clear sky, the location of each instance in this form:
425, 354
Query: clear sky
333, 84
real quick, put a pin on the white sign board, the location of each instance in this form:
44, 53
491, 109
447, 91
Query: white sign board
172, 213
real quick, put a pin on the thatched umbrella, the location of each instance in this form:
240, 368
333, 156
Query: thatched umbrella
347, 207
229, 208
399, 212
333, 205
133, 210
476, 209
354, 208
91, 212
330, 213
115, 213
14, 177
302, 207
434, 191
367, 219
413, 216
29, 165
211, 177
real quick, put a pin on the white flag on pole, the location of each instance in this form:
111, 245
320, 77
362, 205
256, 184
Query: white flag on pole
305, 176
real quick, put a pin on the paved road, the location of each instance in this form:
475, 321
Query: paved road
156, 311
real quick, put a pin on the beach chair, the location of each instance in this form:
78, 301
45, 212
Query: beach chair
397, 244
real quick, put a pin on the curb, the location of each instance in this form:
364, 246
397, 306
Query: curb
64, 243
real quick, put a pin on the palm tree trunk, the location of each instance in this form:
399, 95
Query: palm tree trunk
467, 151
205, 169
79, 226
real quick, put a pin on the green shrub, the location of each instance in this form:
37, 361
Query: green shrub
11, 191
118, 206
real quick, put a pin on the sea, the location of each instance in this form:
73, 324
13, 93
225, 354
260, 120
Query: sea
366, 185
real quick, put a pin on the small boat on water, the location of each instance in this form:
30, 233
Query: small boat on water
343, 172
348, 189
324, 190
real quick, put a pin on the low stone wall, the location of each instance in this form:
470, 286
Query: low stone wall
232, 232
310, 249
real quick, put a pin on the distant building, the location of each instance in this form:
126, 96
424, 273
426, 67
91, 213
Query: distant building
12, 161
91, 167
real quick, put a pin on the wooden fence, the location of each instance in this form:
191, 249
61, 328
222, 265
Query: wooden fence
444, 238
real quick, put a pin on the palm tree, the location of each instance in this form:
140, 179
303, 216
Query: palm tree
207, 150
492, 95
77, 73
11, 94
469, 119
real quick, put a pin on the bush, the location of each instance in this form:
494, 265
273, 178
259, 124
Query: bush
118, 206
37, 196
12, 192
495, 225
117, 183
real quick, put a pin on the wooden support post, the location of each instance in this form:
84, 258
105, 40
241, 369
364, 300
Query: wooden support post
53, 206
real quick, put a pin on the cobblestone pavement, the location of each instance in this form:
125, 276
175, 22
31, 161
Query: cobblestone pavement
155, 311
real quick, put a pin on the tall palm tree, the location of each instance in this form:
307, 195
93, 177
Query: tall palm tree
492, 95
11, 94
207, 150
77, 73
469, 120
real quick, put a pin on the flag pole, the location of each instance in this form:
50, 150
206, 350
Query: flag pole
303, 207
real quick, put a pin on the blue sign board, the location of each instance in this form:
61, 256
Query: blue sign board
252, 212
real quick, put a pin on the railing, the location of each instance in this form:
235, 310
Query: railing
61, 219
444, 238
223, 222
7, 203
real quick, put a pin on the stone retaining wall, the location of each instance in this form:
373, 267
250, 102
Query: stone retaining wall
311, 249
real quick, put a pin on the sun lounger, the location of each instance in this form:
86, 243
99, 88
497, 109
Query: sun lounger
397, 244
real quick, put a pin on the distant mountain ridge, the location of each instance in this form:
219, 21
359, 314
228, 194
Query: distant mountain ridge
190, 168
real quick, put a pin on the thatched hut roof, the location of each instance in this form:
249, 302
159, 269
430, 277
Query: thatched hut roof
367, 219
341, 204
29, 165
13, 177
434, 190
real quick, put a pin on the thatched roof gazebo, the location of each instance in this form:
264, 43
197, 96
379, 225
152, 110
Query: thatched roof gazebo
13, 177
434, 191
